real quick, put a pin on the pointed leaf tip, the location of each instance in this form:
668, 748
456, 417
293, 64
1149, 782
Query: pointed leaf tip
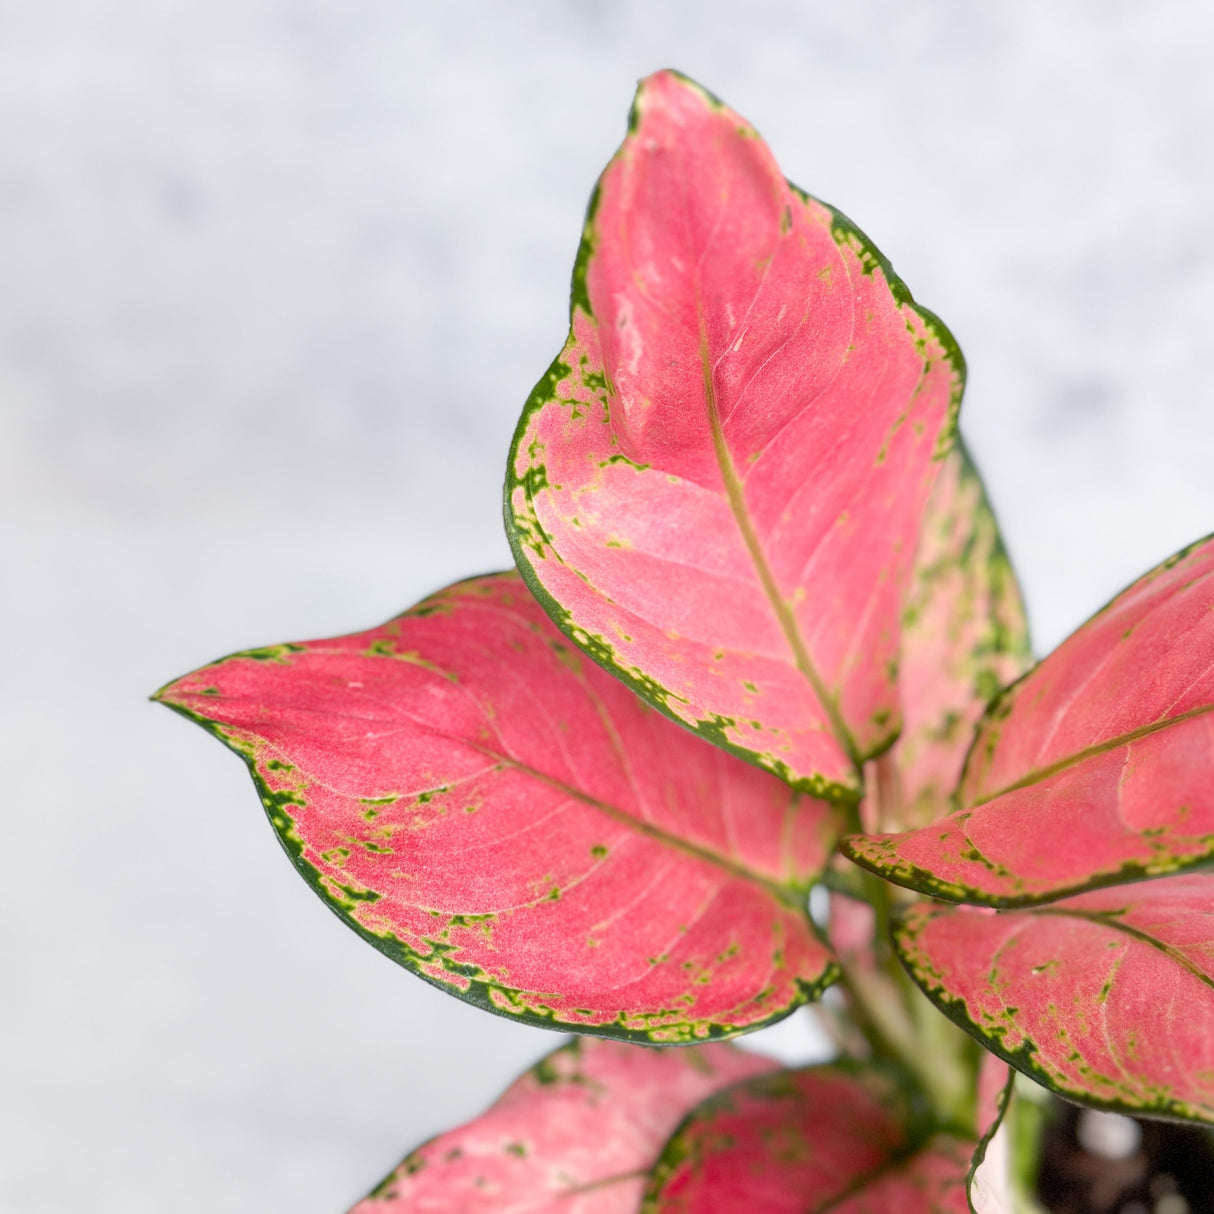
989, 1183
716, 488
500, 816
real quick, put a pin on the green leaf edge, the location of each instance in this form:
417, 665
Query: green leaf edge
915, 1117
1004, 1101
478, 993
598, 648
1001, 565
911, 876
543, 1074
1022, 1058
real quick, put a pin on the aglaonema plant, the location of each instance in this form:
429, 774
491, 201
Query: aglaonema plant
762, 636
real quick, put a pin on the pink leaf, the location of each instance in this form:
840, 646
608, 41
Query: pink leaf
1094, 769
931, 1181
716, 488
1107, 998
796, 1142
496, 813
964, 638
852, 930
575, 1135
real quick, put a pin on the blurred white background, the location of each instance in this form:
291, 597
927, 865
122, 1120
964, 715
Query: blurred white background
275, 279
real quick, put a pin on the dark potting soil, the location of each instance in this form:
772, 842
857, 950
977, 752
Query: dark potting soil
1170, 1172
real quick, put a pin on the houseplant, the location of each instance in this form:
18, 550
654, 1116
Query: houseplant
739, 491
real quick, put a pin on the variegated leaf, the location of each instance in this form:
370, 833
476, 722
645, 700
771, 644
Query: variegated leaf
716, 488
1107, 998
1094, 769
833, 1138
964, 638
577, 1134
989, 1183
496, 813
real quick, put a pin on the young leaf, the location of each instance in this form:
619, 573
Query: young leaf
577, 1134
494, 812
1107, 998
1094, 769
716, 488
989, 1183
797, 1142
964, 637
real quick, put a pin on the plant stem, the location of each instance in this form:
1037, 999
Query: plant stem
898, 1022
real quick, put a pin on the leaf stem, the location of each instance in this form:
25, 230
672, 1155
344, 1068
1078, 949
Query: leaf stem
898, 1022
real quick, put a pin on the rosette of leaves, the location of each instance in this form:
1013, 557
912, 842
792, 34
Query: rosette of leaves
762, 635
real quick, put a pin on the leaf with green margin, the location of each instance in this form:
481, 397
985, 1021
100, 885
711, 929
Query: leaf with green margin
965, 636
989, 1181
836, 1137
577, 1134
1106, 998
1092, 770
494, 812
716, 488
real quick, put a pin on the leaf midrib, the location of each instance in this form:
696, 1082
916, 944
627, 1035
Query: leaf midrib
898, 1161
788, 895
1081, 756
736, 497
593, 1186
1103, 919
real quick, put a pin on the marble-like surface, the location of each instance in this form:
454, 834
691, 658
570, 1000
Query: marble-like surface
275, 277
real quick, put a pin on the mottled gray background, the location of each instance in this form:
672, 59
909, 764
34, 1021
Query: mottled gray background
275, 277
